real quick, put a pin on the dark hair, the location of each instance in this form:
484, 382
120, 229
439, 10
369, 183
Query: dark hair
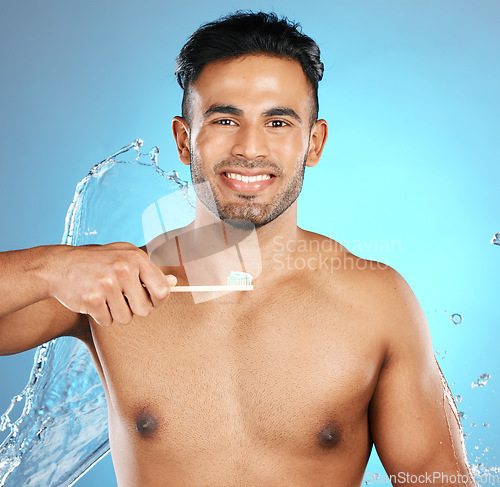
243, 33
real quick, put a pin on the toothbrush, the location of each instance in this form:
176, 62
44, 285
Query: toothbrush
237, 281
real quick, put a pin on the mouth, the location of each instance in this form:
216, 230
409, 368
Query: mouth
247, 181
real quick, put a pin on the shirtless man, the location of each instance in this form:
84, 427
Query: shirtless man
286, 385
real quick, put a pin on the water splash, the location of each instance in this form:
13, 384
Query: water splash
481, 381
485, 475
62, 430
448, 400
496, 239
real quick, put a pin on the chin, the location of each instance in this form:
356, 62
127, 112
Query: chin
248, 217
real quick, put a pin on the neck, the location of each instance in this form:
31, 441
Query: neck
220, 247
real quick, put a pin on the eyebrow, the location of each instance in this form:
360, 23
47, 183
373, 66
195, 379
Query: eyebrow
283, 112
225, 109
232, 110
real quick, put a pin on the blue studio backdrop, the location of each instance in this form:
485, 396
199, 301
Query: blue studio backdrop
410, 174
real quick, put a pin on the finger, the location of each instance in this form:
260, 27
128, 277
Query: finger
153, 300
118, 307
138, 298
171, 281
157, 284
122, 246
101, 314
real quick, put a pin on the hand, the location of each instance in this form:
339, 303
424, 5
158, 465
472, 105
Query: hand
111, 283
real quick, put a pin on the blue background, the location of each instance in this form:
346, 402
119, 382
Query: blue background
410, 175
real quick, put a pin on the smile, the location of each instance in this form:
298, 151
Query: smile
247, 179
247, 183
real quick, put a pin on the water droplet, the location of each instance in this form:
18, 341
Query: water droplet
463, 415
473, 425
459, 398
496, 239
437, 352
476, 447
481, 381
456, 318
486, 425
487, 449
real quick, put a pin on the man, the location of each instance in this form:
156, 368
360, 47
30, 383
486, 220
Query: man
286, 385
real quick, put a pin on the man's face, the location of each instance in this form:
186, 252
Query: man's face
250, 126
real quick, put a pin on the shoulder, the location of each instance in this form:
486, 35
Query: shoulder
397, 314
373, 276
374, 286
163, 250
334, 260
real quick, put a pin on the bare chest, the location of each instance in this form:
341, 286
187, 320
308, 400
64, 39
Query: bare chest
263, 371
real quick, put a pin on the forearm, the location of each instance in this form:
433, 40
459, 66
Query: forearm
25, 277
108, 282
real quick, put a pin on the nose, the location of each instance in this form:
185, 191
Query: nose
250, 143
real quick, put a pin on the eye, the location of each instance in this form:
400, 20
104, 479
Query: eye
224, 121
278, 123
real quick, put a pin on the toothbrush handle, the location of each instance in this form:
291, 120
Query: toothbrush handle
233, 287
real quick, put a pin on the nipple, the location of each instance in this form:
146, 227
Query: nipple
329, 436
146, 423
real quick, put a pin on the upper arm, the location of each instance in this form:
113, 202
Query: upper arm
413, 419
38, 323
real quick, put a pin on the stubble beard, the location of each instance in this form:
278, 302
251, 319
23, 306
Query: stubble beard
247, 209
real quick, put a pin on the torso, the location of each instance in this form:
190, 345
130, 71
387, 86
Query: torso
269, 387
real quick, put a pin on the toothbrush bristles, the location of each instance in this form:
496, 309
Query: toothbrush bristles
237, 278
237, 281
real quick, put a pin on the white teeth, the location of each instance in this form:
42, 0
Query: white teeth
248, 179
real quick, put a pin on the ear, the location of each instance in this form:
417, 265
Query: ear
180, 129
319, 134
